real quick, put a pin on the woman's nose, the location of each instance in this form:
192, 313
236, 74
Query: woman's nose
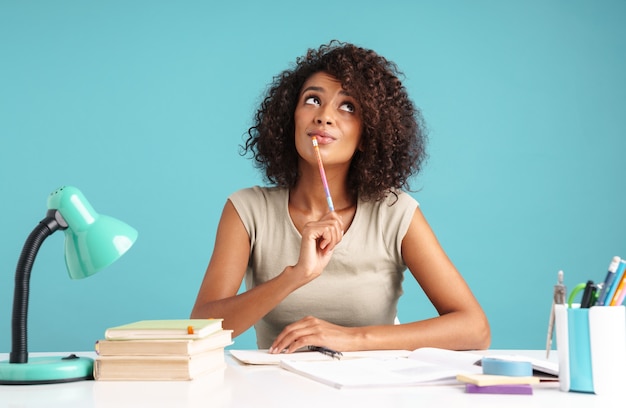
324, 117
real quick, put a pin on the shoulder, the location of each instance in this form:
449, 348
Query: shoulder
259, 206
400, 198
259, 201
393, 215
257, 195
395, 202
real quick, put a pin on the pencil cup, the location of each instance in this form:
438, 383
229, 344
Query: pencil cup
591, 345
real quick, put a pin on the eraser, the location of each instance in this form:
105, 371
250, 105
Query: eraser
524, 389
498, 366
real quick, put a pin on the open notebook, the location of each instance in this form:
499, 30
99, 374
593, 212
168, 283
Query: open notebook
378, 368
427, 366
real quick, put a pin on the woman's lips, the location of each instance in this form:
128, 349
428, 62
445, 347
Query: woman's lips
322, 137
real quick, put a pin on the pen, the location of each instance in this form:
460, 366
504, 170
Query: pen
326, 351
329, 200
558, 298
608, 281
619, 274
620, 291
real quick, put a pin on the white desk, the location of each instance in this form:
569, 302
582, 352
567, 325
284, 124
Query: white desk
271, 386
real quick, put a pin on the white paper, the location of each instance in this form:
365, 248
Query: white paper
263, 357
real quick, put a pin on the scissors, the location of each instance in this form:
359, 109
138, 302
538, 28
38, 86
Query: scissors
557, 298
590, 294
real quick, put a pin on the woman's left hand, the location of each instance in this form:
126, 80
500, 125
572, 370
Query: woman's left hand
311, 331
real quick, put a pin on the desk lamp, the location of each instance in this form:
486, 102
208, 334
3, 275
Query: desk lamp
92, 242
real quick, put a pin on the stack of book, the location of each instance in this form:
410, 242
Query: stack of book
162, 350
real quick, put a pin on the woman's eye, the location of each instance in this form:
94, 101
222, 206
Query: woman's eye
348, 107
312, 100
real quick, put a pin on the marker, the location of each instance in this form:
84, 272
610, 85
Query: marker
608, 281
587, 299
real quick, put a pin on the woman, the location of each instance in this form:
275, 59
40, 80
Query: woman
327, 271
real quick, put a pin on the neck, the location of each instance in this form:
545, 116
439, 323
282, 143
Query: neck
308, 194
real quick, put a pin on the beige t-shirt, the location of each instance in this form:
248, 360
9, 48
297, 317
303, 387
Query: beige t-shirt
361, 284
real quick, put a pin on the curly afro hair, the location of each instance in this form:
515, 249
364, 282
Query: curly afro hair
393, 142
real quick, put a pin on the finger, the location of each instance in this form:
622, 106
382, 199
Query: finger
295, 336
281, 343
331, 235
327, 238
284, 345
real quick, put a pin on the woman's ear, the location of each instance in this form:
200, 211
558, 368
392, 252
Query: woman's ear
360, 147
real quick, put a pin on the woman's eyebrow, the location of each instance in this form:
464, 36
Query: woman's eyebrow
321, 89
313, 88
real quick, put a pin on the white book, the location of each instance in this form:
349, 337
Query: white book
423, 366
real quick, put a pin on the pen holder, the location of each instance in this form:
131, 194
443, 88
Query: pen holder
591, 345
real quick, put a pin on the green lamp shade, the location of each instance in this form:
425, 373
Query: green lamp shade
89, 251
92, 241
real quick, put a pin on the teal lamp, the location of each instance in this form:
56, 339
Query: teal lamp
92, 242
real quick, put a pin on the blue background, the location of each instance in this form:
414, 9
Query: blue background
142, 105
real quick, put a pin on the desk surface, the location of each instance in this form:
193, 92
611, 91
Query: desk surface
270, 386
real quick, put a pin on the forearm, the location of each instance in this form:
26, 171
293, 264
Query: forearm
454, 331
242, 311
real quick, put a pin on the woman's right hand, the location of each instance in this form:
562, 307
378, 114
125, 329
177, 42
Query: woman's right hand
319, 239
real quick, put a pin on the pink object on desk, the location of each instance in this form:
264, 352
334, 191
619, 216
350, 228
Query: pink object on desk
525, 389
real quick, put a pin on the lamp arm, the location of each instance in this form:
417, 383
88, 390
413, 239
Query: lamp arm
50, 224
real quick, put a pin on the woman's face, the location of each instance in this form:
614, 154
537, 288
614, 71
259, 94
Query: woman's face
327, 111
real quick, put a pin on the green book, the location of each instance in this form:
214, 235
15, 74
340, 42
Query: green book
164, 347
164, 329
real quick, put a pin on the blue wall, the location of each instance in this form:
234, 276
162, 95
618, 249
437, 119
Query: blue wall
142, 105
